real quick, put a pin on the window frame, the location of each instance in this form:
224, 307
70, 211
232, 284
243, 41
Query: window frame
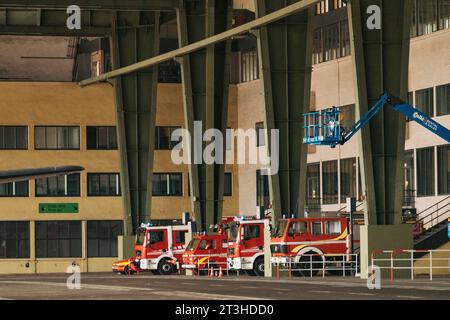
59, 238
168, 174
108, 148
57, 127
90, 174
98, 238
17, 240
66, 195
2, 127
14, 188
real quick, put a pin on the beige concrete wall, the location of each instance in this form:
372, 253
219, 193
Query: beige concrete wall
440, 262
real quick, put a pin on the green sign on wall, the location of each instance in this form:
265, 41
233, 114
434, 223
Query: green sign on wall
58, 207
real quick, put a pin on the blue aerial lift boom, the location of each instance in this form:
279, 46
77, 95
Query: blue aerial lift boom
325, 127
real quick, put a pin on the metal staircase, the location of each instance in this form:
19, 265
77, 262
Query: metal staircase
431, 227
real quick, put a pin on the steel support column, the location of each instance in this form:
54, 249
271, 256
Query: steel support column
136, 110
285, 51
205, 76
380, 61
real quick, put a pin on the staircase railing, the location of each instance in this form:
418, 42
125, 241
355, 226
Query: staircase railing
434, 214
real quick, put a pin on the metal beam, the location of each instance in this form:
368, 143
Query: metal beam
136, 111
205, 75
285, 51
245, 28
380, 62
127, 5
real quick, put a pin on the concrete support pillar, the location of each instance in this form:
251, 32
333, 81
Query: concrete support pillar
135, 96
285, 51
205, 75
380, 39
125, 247
32, 265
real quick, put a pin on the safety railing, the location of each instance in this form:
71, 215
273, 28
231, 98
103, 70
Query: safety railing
312, 264
434, 214
213, 269
436, 260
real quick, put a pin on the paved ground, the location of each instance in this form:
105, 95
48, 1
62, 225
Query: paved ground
113, 286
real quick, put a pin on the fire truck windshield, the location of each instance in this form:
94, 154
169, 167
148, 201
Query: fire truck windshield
233, 232
192, 244
281, 227
140, 236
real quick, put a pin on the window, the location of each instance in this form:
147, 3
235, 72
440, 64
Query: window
101, 138
430, 16
155, 237
14, 239
207, 244
443, 100
249, 65
180, 236
330, 182
316, 228
313, 186
14, 189
251, 232
260, 134
443, 153
163, 138
345, 39
409, 191
317, 46
59, 186
103, 184
331, 42
444, 14
228, 185
348, 113
102, 238
13, 138
332, 227
167, 184
57, 138
297, 228
348, 179
262, 190
58, 239
425, 172
424, 101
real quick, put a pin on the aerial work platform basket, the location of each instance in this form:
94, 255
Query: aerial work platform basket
323, 127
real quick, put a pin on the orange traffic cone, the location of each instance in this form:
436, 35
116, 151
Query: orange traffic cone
211, 274
220, 273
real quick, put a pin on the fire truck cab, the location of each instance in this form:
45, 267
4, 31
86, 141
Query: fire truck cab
246, 245
159, 248
207, 251
295, 241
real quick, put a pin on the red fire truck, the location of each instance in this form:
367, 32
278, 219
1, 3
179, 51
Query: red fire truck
297, 241
159, 248
246, 245
206, 252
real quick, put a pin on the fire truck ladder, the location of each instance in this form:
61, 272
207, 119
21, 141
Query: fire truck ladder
324, 127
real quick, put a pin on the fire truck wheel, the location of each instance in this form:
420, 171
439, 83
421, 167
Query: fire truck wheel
305, 266
165, 267
258, 267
